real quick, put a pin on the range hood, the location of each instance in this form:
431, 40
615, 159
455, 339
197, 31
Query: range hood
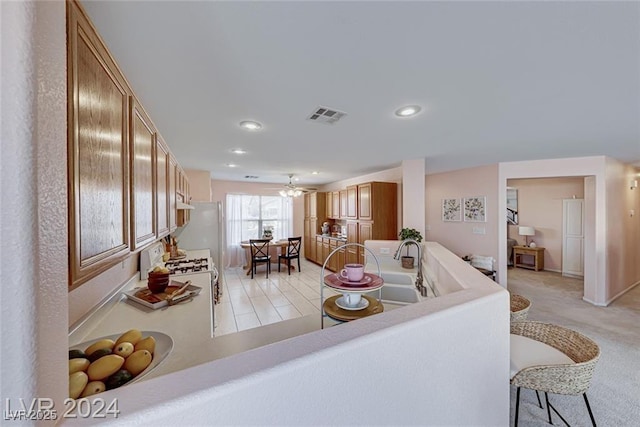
183, 205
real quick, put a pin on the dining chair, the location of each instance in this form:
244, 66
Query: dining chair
553, 359
293, 252
260, 254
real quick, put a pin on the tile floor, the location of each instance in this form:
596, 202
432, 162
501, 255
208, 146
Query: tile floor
248, 303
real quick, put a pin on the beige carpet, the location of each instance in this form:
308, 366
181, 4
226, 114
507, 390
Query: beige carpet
615, 389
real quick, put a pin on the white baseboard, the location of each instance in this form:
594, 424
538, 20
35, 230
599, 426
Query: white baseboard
615, 297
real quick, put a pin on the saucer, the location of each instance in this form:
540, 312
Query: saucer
364, 303
364, 281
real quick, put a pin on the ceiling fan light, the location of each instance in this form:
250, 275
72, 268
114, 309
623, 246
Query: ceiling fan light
283, 193
250, 125
297, 193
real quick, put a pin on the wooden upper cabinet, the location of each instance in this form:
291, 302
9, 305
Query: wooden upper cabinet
343, 203
352, 201
329, 212
143, 188
335, 207
173, 164
162, 187
182, 195
313, 205
98, 108
364, 201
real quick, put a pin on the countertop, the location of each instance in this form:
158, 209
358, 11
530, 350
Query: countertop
340, 239
189, 324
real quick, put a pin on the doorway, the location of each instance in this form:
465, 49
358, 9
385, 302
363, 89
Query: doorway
592, 170
573, 237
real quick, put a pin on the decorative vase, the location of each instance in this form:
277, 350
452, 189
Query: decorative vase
407, 262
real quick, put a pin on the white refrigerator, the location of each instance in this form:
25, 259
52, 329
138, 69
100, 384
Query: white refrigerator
205, 230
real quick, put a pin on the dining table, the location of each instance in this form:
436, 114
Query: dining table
275, 248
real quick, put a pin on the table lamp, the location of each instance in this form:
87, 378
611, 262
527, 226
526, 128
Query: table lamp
526, 232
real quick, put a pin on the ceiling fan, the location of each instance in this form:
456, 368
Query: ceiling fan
292, 190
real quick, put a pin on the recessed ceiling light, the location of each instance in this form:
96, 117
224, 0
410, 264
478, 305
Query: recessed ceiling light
315, 173
408, 111
238, 151
231, 165
250, 125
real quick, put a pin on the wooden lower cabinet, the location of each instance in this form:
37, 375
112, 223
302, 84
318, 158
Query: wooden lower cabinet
337, 261
352, 252
319, 253
365, 232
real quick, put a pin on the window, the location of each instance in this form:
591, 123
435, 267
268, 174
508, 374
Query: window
248, 216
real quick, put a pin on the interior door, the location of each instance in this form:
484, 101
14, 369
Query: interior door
573, 237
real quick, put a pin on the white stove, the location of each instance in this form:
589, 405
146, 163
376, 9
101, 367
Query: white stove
187, 265
152, 257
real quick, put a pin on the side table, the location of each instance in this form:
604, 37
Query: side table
521, 253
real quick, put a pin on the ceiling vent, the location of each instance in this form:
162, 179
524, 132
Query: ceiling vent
251, 177
326, 115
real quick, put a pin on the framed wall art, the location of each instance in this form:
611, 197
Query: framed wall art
451, 210
512, 205
475, 209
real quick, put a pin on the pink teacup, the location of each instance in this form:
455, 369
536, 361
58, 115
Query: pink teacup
352, 272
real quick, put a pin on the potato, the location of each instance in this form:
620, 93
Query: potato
132, 336
104, 343
105, 366
79, 364
93, 387
123, 349
77, 383
148, 343
138, 362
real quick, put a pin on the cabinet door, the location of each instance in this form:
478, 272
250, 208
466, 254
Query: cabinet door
343, 203
307, 208
333, 261
307, 241
318, 255
326, 249
313, 197
365, 232
329, 205
335, 208
162, 187
173, 164
352, 253
143, 192
352, 201
98, 115
364, 201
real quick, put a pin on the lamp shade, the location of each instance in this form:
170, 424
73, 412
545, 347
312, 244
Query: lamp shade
526, 231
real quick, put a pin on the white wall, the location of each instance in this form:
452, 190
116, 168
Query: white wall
33, 265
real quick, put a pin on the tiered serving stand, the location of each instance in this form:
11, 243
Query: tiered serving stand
335, 307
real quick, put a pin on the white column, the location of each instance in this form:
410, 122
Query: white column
413, 195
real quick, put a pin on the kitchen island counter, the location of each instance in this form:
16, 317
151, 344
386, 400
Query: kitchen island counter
188, 323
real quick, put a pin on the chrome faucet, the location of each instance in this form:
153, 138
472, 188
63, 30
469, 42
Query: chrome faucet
419, 279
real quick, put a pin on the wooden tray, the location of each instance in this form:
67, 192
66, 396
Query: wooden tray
145, 297
337, 313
